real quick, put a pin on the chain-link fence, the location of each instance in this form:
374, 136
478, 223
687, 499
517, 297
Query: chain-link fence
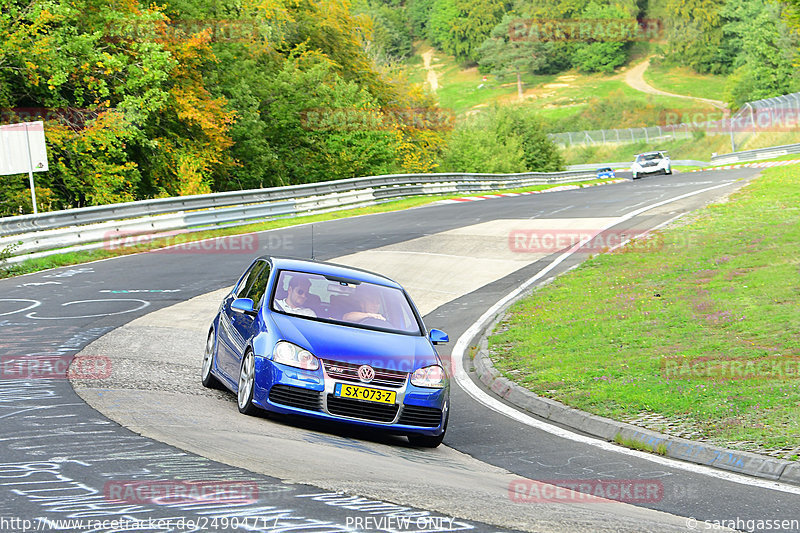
779, 114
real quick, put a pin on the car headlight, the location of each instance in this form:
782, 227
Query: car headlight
431, 376
290, 354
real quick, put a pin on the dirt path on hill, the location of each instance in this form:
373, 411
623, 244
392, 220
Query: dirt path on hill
635, 78
433, 79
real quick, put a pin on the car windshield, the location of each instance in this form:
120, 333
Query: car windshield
344, 301
648, 157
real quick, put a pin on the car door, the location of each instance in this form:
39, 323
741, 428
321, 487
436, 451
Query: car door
244, 326
229, 344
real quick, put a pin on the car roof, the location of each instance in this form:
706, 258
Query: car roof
659, 152
329, 269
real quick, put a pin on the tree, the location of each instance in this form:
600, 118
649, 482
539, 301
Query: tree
767, 56
475, 146
390, 37
695, 33
539, 152
77, 66
607, 47
419, 13
145, 100
509, 50
460, 27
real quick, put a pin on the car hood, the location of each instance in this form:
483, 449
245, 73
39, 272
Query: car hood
356, 345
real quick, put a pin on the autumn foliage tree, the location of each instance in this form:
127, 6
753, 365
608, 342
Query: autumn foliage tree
188, 97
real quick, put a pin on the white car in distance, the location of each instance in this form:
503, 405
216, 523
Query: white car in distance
651, 163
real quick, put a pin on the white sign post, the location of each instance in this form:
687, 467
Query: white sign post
23, 149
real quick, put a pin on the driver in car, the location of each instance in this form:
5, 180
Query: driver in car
296, 297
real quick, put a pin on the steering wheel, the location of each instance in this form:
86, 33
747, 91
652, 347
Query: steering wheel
371, 321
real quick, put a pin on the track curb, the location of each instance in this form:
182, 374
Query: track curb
740, 462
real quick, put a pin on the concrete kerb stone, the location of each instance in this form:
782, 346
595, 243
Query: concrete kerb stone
742, 462
791, 474
598, 426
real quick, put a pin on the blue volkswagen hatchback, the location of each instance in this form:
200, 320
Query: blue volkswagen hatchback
330, 342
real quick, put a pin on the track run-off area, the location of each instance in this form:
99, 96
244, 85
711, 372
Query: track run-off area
66, 447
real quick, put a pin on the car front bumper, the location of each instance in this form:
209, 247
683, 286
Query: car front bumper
288, 390
658, 169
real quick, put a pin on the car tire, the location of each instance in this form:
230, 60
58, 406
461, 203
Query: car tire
668, 172
635, 176
426, 441
247, 378
208, 379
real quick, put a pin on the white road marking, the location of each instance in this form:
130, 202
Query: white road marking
34, 303
557, 211
143, 303
37, 284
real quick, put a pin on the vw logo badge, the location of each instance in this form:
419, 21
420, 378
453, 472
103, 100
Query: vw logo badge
366, 373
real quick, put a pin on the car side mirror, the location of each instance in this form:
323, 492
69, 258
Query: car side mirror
438, 336
244, 306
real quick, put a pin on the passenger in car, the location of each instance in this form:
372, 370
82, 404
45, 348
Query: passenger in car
369, 302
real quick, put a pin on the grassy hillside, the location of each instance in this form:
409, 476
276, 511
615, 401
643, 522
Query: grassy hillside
572, 101
569, 101
682, 80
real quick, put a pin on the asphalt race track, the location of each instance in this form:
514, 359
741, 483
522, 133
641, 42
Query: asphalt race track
148, 314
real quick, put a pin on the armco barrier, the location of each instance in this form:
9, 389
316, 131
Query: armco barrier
755, 155
89, 227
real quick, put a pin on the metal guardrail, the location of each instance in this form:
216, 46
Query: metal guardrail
89, 215
91, 227
755, 155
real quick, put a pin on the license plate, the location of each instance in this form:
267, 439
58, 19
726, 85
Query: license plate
343, 390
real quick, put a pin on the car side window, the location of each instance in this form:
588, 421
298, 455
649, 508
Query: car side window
247, 282
256, 282
243, 284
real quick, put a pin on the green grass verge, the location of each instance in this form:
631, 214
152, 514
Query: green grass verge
74, 258
660, 449
603, 337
